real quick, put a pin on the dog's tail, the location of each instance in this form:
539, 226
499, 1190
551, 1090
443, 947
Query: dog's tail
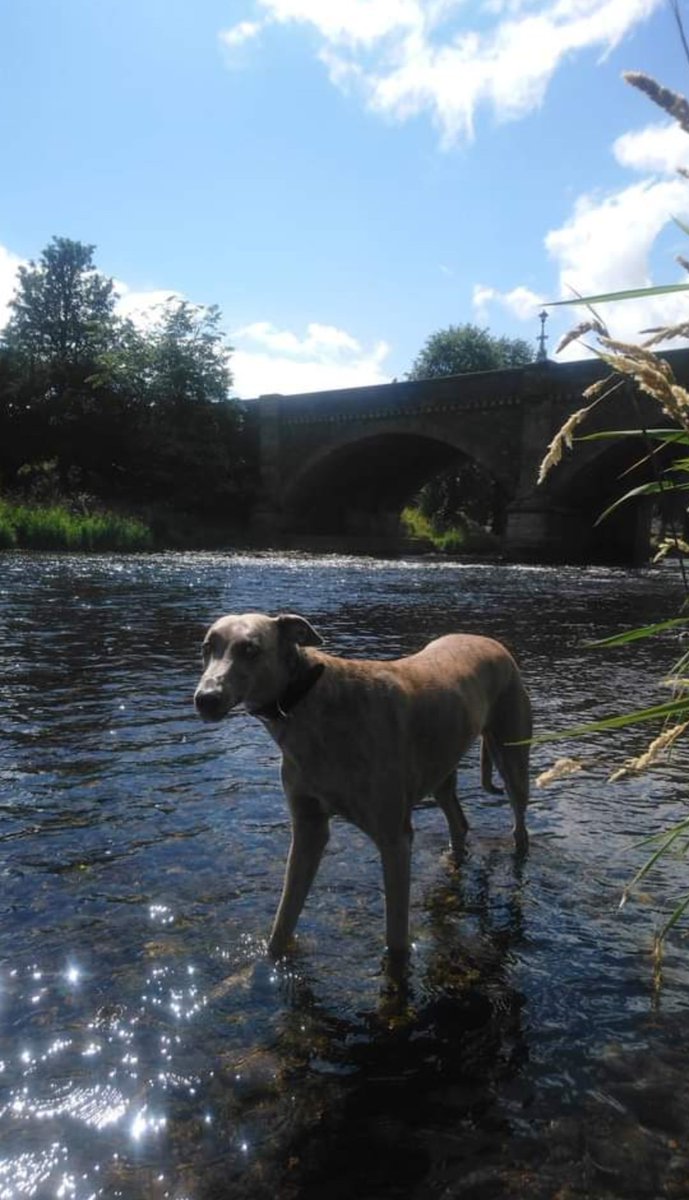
487, 770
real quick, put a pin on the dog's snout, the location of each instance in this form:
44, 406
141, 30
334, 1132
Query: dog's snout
209, 704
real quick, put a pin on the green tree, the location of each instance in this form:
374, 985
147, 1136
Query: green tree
122, 412
465, 489
190, 360
62, 311
61, 327
462, 348
190, 446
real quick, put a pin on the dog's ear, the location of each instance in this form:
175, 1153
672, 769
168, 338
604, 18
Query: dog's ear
297, 630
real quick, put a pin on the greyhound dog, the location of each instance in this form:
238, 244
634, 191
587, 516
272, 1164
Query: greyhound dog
367, 740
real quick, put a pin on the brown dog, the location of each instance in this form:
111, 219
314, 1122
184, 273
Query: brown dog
367, 740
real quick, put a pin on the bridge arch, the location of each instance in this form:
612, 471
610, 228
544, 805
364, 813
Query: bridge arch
591, 478
360, 485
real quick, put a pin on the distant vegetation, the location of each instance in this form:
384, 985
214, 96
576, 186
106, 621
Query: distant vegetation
465, 537
459, 349
464, 491
119, 435
98, 413
54, 527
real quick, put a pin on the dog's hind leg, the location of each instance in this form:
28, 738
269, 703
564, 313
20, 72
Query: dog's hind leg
446, 798
487, 771
508, 743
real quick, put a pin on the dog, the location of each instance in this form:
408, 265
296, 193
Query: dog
366, 740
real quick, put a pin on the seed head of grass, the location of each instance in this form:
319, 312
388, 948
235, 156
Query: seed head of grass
561, 768
661, 744
673, 103
562, 439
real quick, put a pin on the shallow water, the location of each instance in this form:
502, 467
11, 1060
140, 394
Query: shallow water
148, 1048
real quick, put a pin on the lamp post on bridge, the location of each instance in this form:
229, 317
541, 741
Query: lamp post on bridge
542, 355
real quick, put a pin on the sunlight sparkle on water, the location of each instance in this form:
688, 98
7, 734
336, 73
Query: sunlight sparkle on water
161, 913
143, 1124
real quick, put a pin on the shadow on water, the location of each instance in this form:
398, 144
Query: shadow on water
147, 1046
376, 1103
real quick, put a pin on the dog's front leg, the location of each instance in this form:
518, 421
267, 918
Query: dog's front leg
310, 832
395, 854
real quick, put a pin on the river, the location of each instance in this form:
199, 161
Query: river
147, 1046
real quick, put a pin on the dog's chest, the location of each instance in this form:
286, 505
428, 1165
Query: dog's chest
347, 773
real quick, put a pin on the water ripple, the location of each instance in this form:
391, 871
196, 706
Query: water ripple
148, 1048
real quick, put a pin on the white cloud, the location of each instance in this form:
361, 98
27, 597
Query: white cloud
267, 360
447, 58
142, 307
9, 266
659, 148
319, 339
235, 40
350, 22
237, 35
606, 246
521, 302
608, 243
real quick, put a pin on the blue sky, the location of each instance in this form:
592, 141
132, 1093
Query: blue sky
344, 177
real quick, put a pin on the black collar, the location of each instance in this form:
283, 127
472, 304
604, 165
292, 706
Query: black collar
281, 707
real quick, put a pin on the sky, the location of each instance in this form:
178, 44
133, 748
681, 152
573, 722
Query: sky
345, 177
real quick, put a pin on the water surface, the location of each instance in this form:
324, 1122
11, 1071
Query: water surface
147, 1046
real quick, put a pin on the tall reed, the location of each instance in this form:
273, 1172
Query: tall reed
641, 364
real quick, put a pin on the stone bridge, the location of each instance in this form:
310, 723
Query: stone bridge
337, 467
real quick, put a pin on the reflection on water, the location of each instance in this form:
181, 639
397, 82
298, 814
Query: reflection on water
148, 1048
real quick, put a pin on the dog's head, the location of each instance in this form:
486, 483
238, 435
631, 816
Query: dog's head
250, 659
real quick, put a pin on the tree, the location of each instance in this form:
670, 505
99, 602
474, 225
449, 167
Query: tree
190, 446
465, 490
462, 348
123, 412
190, 360
62, 324
63, 309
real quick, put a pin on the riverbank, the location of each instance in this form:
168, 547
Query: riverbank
56, 527
64, 523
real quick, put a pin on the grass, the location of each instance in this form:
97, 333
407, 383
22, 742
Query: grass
55, 527
461, 539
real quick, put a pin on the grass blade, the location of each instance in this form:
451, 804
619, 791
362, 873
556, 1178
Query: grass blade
621, 721
631, 294
673, 918
668, 841
670, 837
635, 635
655, 435
659, 486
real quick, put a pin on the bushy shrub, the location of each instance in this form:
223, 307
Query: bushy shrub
448, 541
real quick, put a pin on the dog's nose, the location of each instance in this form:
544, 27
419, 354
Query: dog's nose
209, 704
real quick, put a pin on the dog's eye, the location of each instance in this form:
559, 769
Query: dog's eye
248, 650
206, 653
